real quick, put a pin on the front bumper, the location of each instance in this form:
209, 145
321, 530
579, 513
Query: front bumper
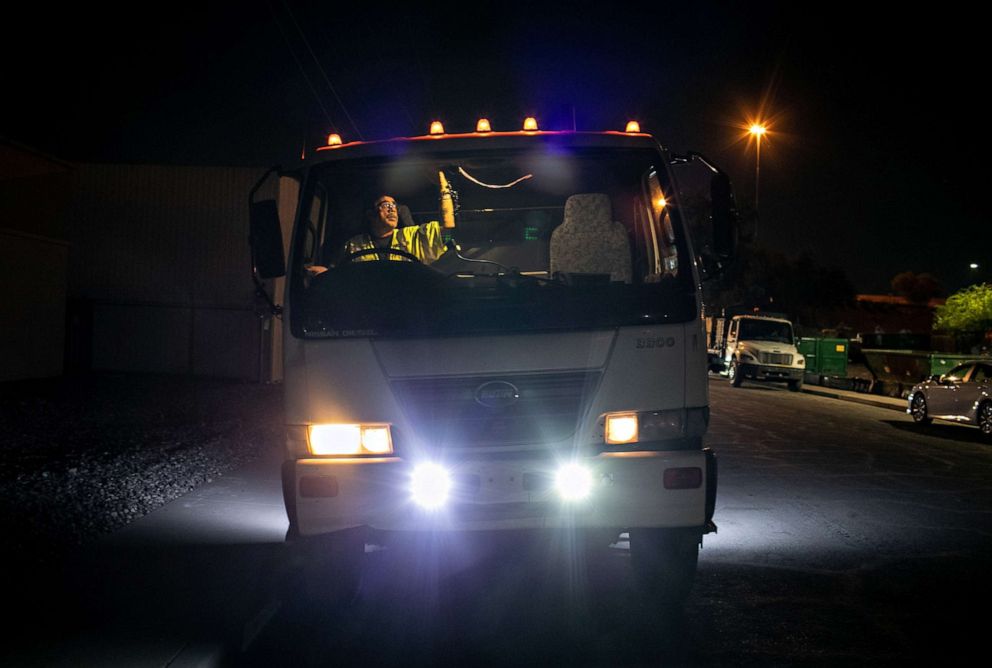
326, 495
771, 372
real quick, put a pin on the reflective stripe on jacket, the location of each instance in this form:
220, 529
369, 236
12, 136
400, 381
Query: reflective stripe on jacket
422, 241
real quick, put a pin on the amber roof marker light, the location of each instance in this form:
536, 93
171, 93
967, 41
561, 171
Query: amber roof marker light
633, 126
437, 128
530, 124
334, 139
483, 125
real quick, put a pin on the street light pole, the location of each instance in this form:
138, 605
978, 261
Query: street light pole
758, 130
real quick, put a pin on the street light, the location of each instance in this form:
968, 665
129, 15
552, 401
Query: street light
757, 130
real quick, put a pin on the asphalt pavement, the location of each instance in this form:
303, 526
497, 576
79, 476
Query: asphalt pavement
848, 535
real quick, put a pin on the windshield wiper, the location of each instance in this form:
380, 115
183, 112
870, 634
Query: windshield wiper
511, 273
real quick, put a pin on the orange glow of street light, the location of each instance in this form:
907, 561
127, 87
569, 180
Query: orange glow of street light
757, 129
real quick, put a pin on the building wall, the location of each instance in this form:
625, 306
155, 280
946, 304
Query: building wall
34, 196
32, 327
160, 266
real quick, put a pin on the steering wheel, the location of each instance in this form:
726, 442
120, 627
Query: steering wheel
380, 251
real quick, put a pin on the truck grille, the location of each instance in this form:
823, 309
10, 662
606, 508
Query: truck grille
775, 358
483, 411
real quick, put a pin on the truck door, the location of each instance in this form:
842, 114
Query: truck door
731, 343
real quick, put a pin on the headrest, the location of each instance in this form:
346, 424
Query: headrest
590, 208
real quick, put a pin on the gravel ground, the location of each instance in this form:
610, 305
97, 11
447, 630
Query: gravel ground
80, 458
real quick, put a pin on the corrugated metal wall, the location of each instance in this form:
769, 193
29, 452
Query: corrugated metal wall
160, 257
32, 328
34, 195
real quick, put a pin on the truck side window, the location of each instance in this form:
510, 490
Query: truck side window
316, 224
662, 235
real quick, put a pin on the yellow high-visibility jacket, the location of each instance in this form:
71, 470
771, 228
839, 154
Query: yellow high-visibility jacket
422, 241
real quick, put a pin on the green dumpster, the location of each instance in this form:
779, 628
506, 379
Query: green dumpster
941, 363
827, 357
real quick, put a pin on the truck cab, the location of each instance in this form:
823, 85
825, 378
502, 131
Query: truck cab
543, 369
757, 347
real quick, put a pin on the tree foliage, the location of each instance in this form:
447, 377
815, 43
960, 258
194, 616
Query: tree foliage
968, 310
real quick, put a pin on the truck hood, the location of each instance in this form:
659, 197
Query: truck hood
767, 347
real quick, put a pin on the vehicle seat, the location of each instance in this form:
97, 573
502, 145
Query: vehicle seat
588, 241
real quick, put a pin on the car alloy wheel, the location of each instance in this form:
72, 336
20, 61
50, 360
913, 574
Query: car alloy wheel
985, 418
918, 409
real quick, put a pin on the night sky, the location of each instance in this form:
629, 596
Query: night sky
875, 161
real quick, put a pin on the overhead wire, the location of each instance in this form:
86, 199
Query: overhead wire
303, 71
320, 68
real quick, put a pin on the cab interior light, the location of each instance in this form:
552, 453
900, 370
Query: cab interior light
350, 439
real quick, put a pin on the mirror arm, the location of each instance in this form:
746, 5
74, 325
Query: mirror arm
275, 310
678, 159
258, 184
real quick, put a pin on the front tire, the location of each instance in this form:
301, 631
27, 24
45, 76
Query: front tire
334, 567
918, 409
734, 374
795, 385
664, 563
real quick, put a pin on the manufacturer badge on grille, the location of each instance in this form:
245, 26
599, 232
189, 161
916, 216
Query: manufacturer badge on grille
497, 394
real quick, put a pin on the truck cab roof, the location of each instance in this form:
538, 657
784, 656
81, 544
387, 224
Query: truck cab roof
474, 142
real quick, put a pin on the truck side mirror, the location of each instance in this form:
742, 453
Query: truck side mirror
725, 219
265, 237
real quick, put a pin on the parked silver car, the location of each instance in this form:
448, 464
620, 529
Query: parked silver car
963, 394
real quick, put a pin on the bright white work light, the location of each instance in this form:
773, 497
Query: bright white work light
430, 485
573, 482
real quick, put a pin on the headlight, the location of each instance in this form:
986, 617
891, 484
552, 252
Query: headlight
350, 439
430, 485
629, 427
573, 482
621, 428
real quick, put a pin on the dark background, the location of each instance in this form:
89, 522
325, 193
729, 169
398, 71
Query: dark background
875, 162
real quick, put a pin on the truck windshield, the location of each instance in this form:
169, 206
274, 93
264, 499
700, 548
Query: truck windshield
765, 330
547, 239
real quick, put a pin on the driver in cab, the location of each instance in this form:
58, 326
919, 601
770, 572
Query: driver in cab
422, 241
